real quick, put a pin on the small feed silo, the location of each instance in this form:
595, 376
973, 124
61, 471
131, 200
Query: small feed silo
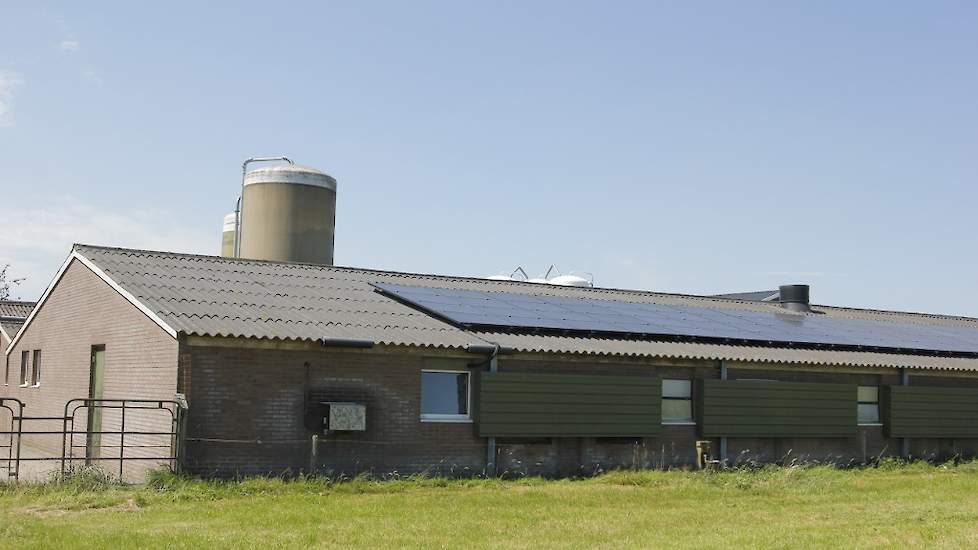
228, 233
288, 213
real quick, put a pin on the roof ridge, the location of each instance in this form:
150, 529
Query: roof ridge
899, 312
325, 267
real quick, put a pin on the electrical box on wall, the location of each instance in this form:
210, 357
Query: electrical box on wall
336, 416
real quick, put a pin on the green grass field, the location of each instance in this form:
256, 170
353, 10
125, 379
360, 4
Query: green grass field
895, 505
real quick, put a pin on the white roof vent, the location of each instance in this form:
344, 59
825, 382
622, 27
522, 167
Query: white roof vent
518, 274
551, 277
571, 280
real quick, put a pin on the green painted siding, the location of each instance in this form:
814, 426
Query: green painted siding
559, 405
748, 408
916, 411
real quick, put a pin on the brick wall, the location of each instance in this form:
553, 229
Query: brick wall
140, 363
247, 413
247, 409
247, 404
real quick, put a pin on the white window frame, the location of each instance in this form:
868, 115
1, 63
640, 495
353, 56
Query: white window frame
452, 418
879, 410
35, 373
691, 405
25, 369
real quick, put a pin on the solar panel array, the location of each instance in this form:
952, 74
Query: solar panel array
475, 308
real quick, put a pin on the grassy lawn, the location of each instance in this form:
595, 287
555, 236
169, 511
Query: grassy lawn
896, 505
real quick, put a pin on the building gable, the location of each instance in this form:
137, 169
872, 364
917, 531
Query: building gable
78, 261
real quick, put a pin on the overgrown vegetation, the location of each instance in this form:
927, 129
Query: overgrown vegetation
893, 504
6, 282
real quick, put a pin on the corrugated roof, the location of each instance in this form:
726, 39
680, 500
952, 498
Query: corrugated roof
758, 295
214, 296
693, 350
13, 308
13, 313
10, 328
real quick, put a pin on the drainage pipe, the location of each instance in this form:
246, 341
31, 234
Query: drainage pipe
493, 361
723, 439
904, 441
238, 206
313, 455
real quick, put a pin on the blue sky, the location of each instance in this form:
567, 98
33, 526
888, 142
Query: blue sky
683, 147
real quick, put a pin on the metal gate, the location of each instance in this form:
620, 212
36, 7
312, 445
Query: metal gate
133, 436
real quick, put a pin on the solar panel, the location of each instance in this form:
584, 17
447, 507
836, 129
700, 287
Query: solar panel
477, 308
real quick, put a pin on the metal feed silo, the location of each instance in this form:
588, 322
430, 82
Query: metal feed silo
288, 213
228, 234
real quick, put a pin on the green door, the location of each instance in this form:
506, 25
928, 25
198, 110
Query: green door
96, 383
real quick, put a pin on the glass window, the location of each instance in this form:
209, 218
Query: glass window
445, 395
36, 371
868, 406
677, 401
679, 389
868, 394
25, 358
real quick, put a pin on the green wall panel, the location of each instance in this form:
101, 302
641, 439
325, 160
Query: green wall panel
919, 411
750, 408
568, 405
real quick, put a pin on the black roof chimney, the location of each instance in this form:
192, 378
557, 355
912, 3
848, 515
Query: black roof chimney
795, 298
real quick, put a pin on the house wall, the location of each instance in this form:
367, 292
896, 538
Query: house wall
247, 405
140, 363
247, 413
674, 447
870, 442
